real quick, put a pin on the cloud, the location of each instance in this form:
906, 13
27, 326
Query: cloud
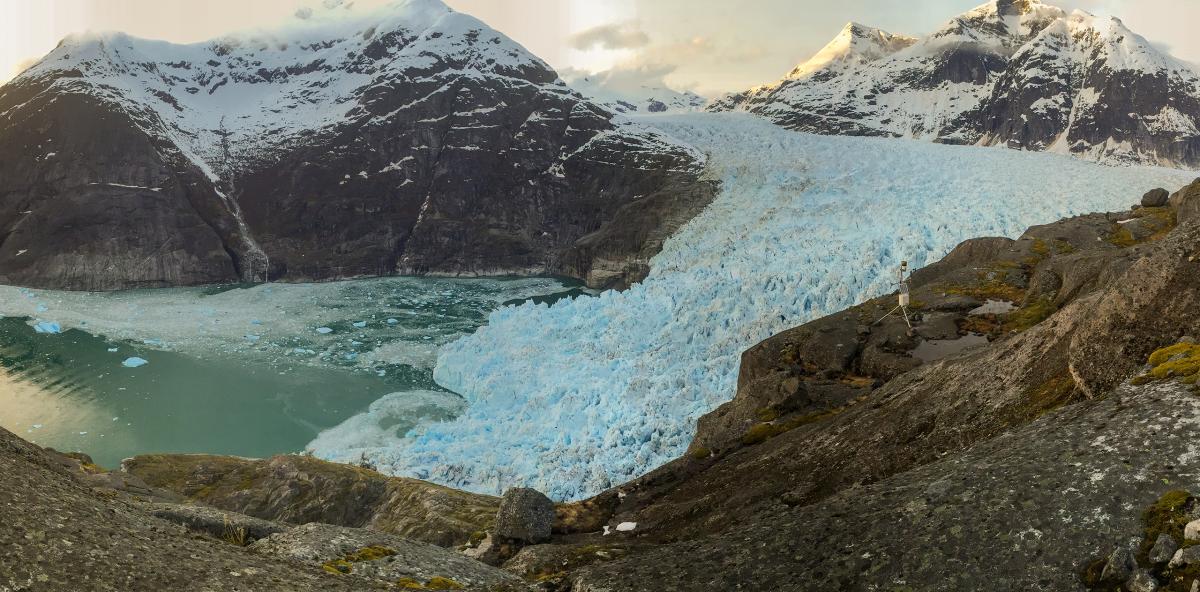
610, 36
665, 65
24, 65
624, 78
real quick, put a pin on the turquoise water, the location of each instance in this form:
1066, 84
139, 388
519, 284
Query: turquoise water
243, 370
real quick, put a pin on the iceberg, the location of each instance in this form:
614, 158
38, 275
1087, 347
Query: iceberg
48, 327
134, 362
587, 393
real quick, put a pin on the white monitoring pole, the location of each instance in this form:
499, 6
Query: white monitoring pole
905, 298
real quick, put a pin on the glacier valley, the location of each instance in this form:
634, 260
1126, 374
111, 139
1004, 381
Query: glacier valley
586, 393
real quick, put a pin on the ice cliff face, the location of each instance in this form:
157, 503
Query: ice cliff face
409, 139
1016, 73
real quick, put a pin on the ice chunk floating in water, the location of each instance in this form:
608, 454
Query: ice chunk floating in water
316, 324
134, 362
590, 392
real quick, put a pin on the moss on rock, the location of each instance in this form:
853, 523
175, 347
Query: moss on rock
434, 583
1180, 361
345, 564
761, 432
1029, 315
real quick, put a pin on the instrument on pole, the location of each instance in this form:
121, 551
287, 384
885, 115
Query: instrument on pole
904, 299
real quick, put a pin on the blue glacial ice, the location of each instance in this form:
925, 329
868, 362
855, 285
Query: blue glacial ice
134, 362
588, 393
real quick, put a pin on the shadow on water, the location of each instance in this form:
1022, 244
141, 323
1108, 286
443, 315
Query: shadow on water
71, 391
575, 289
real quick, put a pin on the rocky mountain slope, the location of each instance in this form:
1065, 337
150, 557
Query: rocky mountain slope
409, 139
1016, 73
86, 529
1033, 424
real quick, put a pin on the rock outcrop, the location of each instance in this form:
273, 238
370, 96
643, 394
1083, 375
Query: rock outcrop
384, 558
88, 529
412, 139
60, 533
300, 489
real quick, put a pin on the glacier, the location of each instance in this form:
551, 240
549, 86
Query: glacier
578, 396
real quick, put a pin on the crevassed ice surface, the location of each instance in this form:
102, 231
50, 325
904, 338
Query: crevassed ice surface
585, 394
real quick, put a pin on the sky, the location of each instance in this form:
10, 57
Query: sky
707, 46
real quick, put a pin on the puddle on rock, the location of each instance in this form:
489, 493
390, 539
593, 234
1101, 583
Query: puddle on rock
934, 350
994, 307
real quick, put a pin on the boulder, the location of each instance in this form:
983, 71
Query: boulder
1142, 581
489, 551
1164, 548
1186, 201
1185, 557
1120, 566
1191, 532
525, 515
1155, 198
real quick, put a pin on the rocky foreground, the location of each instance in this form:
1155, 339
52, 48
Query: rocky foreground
1034, 430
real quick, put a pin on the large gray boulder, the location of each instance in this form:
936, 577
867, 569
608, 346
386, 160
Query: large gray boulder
1155, 198
1164, 548
1142, 581
525, 515
1120, 566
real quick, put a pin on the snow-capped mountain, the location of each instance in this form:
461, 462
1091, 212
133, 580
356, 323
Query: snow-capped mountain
634, 96
1016, 73
406, 139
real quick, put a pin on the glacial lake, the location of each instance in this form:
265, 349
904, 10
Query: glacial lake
249, 370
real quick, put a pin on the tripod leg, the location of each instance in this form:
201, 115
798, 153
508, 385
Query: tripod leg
892, 312
906, 321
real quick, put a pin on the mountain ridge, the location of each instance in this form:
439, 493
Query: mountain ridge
411, 139
1015, 73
